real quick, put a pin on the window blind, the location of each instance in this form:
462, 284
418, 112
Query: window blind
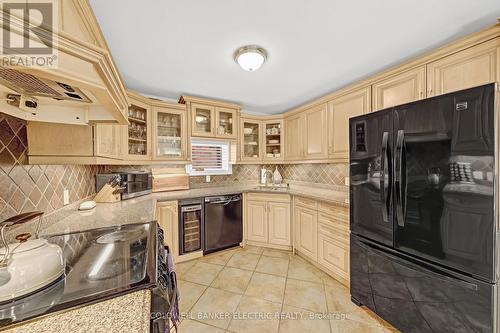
209, 157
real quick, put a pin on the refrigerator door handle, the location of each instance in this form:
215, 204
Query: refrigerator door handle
400, 178
384, 169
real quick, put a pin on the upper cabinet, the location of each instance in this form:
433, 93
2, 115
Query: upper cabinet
465, 69
399, 89
137, 135
340, 109
108, 140
294, 148
316, 133
250, 141
212, 119
169, 132
273, 140
83, 87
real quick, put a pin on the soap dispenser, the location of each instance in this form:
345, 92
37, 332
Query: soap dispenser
263, 176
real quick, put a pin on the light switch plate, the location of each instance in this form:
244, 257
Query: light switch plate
65, 197
346, 181
207, 178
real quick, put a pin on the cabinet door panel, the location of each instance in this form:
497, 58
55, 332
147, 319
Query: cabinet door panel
169, 134
226, 121
251, 140
137, 135
293, 137
167, 217
257, 221
202, 120
400, 89
108, 140
468, 68
307, 231
339, 112
316, 133
279, 223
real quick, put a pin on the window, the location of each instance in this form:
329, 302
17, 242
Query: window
210, 158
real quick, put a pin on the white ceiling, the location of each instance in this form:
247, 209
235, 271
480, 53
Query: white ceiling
170, 48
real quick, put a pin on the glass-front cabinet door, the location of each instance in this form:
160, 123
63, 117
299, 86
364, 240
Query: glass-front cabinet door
137, 136
226, 123
203, 120
273, 140
251, 140
169, 133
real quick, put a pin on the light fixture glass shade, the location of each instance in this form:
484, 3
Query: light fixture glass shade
250, 57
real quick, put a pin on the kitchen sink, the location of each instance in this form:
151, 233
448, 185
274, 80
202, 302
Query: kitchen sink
280, 188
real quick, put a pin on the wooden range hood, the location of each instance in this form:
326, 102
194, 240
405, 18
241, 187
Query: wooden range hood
84, 63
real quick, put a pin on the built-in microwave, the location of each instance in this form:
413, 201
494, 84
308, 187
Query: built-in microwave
133, 183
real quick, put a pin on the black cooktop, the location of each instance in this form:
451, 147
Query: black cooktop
100, 264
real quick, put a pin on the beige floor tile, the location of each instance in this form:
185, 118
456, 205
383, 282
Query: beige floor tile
232, 279
251, 249
189, 293
271, 265
218, 258
302, 321
277, 253
351, 326
192, 326
215, 307
300, 269
338, 300
183, 267
255, 315
266, 286
306, 295
202, 273
244, 260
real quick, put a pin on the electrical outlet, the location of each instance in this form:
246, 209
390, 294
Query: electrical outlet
207, 178
65, 197
346, 181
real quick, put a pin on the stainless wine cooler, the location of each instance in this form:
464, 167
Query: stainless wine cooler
190, 225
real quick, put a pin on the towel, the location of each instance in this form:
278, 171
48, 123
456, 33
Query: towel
174, 308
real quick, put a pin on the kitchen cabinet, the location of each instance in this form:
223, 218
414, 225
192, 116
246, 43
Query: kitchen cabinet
306, 231
202, 120
268, 219
227, 123
402, 88
340, 109
108, 140
250, 140
256, 221
316, 133
471, 67
333, 245
273, 140
169, 133
294, 147
137, 135
168, 219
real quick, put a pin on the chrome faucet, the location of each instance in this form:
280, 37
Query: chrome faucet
272, 176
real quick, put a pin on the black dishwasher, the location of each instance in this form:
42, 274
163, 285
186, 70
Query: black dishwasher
223, 222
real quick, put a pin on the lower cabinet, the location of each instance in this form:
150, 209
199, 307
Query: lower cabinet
322, 235
306, 230
168, 219
267, 219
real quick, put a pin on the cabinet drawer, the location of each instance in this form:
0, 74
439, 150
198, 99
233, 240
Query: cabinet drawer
333, 230
268, 197
334, 222
306, 202
333, 255
342, 212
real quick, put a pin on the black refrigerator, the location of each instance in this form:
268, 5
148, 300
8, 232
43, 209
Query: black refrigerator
423, 212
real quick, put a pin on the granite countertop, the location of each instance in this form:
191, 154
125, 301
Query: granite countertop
142, 209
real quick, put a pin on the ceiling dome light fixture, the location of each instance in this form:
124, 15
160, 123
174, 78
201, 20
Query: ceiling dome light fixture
250, 57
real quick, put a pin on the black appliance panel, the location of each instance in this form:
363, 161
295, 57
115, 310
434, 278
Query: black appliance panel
443, 188
223, 222
415, 297
371, 142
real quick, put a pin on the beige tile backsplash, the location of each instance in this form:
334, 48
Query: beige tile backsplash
40, 187
35, 187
